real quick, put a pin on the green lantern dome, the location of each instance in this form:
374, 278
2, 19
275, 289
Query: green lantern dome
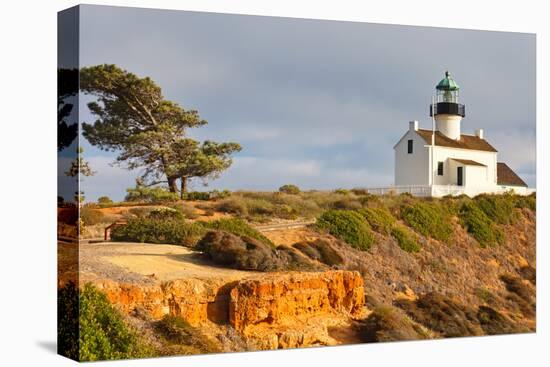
447, 84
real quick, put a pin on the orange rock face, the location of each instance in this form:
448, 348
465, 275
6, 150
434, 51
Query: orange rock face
278, 310
281, 299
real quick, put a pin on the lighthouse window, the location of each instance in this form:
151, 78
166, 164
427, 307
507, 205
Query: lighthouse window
410, 146
440, 168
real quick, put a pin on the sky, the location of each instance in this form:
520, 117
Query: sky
316, 103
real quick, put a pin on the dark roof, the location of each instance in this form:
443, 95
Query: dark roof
469, 162
465, 142
505, 176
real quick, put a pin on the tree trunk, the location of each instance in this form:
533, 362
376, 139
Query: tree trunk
172, 184
183, 190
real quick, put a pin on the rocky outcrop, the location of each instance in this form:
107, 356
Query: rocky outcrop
282, 298
279, 310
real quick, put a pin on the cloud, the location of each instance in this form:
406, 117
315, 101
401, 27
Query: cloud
316, 103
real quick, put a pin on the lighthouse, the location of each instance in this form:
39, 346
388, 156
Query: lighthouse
446, 109
444, 160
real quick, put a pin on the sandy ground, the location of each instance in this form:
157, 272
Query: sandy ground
291, 236
147, 263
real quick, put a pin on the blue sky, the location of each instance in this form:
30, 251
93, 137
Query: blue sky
316, 103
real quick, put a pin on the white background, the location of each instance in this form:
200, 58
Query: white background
28, 181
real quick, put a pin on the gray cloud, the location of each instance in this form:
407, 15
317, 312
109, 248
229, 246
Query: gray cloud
335, 93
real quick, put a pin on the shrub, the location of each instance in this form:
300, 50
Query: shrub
529, 273
103, 333
429, 219
186, 210
442, 314
154, 195
348, 226
494, 323
104, 200
342, 191
321, 251
216, 194
148, 230
164, 214
405, 239
245, 253
67, 321
91, 216
479, 225
380, 219
188, 340
197, 195
499, 208
140, 212
347, 204
290, 189
233, 205
529, 202
237, 227
387, 324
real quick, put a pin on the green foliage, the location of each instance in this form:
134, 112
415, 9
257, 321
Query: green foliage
104, 200
67, 321
499, 208
405, 238
217, 194
147, 230
91, 216
429, 219
165, 214
187, 339
379, 218
348, 226
197, 195
149, 132
290, 189
187, 211
529, 202
153, 195
479, 225
237, 227
103, 333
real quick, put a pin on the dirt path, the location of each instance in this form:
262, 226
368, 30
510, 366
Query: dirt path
149, 263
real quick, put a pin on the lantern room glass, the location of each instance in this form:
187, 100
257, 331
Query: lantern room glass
450, 96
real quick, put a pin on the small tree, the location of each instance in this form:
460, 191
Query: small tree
290, 189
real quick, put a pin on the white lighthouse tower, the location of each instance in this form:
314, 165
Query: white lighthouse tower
447, 110
444, 161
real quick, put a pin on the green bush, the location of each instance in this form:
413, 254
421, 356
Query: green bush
67, 321
237, 227
148, 230
479, 225
499, 208
186, 210
428, 219
164, 214
103, 333
197, 195
405, 238
290, 189
91, 216
217, 194
104, 200
233, 205
348, 226
188, 340
529, 202
153, 195
380, 219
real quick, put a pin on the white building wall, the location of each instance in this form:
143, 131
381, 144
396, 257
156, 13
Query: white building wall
411, 169
478, 176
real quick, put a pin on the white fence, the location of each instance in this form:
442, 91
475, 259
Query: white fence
445, 190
